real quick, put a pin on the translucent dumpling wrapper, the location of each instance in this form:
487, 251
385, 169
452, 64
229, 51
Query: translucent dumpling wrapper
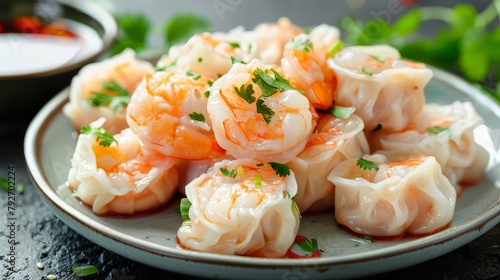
333, 141
448, 136
410, 195
123, 178
125, 70
241, 207
385, 89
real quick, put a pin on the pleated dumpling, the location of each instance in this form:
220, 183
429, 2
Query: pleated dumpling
122, 178
390, 198
241, 207
385, 89
448, 136
333, 140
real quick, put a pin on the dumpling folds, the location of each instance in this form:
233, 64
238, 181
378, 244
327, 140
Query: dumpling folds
448, 137
385, 89
409, 195
333, 141
124, 178
241, 207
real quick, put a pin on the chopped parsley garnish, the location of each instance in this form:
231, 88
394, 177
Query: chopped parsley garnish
379, 58
309, 245
184, 209
234, 45
301, 43
282, 170
195, 76
246, 93
197, 116
366, 71
210, 83
237, 60
265, 111
335, 48
436, 129
101, 133
207, 93
118, 98
228, 173
342, 112
200, 59
377, 128
366, 164
270, 85
86, 270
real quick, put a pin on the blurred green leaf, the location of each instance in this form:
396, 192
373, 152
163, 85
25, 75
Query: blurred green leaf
408, 23
183, 26
134, 31
474, 61
463, 17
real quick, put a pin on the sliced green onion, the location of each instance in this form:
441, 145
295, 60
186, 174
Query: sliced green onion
258, 181
367, 238
335, 48
240, 171
184, 208
85, 270
366, 71
342, 112
379, 58
20, 188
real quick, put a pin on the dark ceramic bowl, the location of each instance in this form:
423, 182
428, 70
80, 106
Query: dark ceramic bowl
35, 67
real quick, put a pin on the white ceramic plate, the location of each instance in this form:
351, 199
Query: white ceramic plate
151, 239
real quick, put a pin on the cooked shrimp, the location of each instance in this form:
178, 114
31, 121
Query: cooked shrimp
209, 54
123, 178
168, 111
249, 124
304, 61
124, 69
241, 207
271, 39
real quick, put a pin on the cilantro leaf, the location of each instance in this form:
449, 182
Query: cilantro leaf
197, 116
246, 93
134, 30
101, 133
117, 98
366, 164
235, 60
408, 23
265, 111
183, 26
301, 43
282, 170
270, 85
234, 45
473, 60
228, 173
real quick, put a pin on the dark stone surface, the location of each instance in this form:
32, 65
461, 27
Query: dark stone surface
42, 237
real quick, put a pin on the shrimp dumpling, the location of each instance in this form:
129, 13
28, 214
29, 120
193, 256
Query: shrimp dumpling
241, 207
449, 137
124, 70
123, 178
385, 89
333, 141
398, 196
255, 113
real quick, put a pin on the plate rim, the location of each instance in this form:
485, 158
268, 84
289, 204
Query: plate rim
485, 220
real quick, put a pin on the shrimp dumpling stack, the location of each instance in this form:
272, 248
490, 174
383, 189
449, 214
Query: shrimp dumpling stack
385, 89
392, 197
122, 178
449, 137
115, 76
241, 207
333, 141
